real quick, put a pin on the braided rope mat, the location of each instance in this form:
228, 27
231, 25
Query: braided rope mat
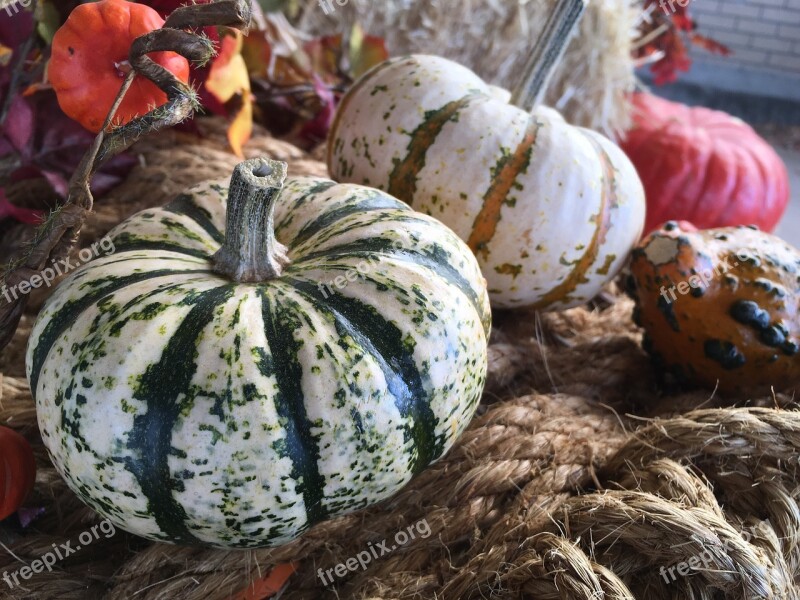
580, 477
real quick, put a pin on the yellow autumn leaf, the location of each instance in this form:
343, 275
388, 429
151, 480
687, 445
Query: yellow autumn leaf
241, 128
5, 55
228, 79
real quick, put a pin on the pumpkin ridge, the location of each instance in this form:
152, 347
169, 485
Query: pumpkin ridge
608, 202
403, 179
317, 186
403, 377
342, 227
185, 205
707, 173
71, 309
161, 385
300, 445
505, 174
303, 189
376, 201
436, 262
127, 242
91, 344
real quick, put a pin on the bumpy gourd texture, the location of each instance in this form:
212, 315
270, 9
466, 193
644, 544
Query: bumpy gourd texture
188, 408
742, 330
552, 211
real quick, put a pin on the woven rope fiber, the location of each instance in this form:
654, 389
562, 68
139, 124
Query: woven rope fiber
583, 475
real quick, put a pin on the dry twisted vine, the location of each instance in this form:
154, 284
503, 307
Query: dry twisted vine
56, 236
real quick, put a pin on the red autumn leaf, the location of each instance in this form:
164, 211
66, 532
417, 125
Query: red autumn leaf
49, 144
15, 28
316, 130
23, 215
324, 53
275, 54
673, 30
710, 45
682, 21
298, 82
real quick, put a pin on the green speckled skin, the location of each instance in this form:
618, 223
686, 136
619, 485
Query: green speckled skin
191, 409
551, 211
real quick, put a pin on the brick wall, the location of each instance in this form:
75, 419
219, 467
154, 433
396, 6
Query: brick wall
764, 36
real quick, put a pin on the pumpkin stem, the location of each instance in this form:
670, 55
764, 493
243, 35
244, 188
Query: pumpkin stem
546, 53
250, 252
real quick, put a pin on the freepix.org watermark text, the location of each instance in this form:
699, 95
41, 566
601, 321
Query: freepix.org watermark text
56, 269
59, 553
375, 551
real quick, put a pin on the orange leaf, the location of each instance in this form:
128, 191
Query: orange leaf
5, 55
228, 79
263, 588
36, 87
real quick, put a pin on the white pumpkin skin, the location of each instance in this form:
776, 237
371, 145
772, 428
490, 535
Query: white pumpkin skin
188, 408
552, 211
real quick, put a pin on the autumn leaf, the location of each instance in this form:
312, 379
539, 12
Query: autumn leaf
41, 141
297, 82
266, 587
275, 54
5, 55
712, 46
23, 215
668, 35
366, 51
316, 130
229, 82
324, 53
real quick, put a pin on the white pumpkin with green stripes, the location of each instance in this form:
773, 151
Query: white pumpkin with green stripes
552, 211
232, 389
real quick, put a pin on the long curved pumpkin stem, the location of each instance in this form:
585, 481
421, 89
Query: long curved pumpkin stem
546, 53
251, 253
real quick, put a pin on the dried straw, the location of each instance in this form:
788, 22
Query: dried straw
492, 37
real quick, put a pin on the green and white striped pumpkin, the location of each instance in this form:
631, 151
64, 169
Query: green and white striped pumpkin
552, 211
192, 407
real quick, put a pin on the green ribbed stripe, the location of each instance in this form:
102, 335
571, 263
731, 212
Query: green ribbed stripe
127, 242
383, 340
72, 309
161, 388
436, 261
283, 363
185, 205
376, 202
